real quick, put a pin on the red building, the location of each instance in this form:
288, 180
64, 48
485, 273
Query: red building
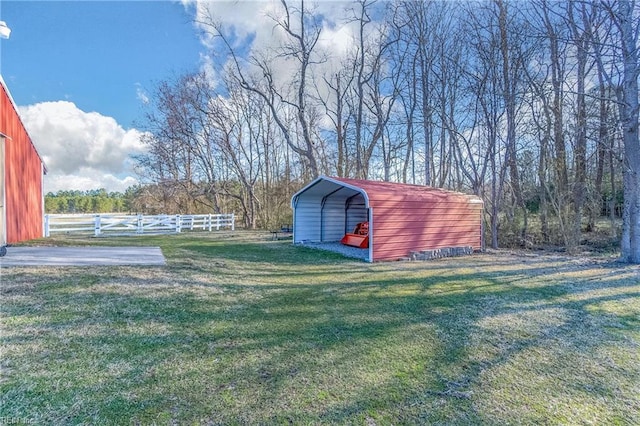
401, 218
21, 177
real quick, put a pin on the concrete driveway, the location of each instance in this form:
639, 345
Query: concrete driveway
82, 256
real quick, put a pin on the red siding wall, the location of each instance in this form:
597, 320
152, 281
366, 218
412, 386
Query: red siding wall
410, 218
446, 223
23, 176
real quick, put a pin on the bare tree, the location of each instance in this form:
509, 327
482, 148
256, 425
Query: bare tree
338, 112
421, 28
556, 37
180, 150
302, 33
513, 61
370, 107
484, 149
580, 29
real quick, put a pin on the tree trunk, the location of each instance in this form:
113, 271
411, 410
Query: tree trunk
628, 103
603, 131
509, 73
580, 150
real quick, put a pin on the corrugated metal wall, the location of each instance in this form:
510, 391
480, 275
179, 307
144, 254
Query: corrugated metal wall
23, 176
333, 217
417, 227
356, 212
306, 220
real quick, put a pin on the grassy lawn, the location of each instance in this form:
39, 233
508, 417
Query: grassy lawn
237, 329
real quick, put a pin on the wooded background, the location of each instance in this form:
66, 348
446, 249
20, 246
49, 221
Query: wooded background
533, 106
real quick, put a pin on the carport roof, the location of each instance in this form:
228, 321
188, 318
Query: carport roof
373, 191
324, 186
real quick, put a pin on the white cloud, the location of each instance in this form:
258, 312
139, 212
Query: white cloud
82, 150
142, 95
253, 30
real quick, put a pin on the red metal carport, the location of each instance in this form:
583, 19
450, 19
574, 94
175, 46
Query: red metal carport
402, 218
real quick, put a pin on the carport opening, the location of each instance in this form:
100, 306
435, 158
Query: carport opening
340, 212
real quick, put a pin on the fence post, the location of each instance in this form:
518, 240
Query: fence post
139, 227
96, 225
210, 224
233, 221
46, 226
178, 224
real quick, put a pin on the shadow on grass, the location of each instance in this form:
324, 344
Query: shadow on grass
316, 338
280, 252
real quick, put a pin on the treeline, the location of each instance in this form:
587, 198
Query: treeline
92, 201
533, 106
179, 197
158, 199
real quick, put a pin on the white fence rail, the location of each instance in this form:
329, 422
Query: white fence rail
120, 224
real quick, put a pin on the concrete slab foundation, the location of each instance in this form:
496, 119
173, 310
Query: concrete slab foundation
82, 256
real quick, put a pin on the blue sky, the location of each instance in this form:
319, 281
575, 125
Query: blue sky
96, 54
79, 72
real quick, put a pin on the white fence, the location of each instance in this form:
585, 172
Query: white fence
120, 224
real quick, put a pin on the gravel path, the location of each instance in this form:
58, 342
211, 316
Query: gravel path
347, 251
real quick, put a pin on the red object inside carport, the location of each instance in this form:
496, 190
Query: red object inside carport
359, 237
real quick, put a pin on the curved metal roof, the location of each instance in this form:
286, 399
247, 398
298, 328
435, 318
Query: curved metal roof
376, 191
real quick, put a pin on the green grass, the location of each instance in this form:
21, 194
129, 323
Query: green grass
237, 329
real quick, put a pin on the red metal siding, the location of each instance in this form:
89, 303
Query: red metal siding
410, 218
394, 238
23, 176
